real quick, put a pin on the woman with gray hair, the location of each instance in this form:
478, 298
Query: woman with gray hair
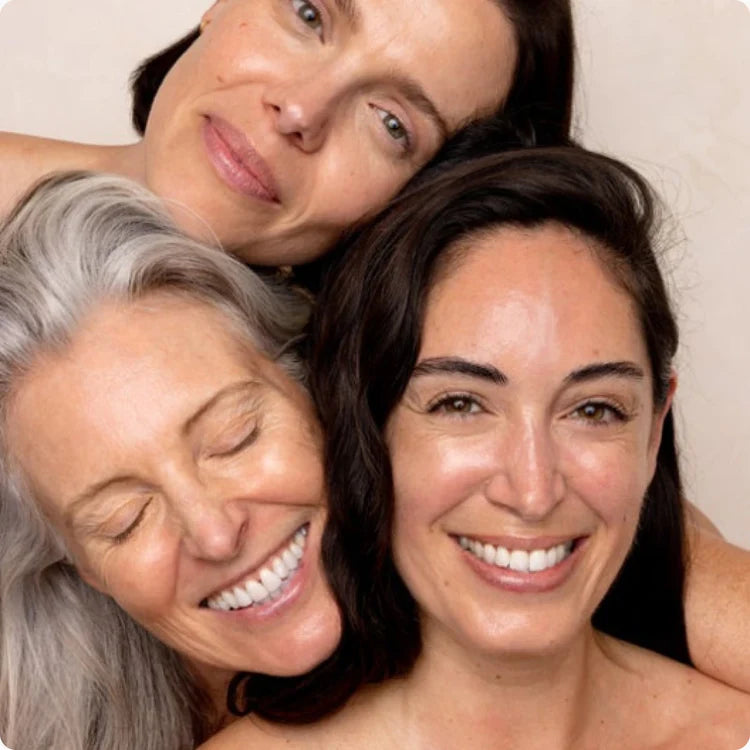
160, 476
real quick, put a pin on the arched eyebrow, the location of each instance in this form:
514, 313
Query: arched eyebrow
459, 366
605, 370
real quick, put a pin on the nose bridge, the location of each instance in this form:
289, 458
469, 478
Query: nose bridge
212, 522
534, 484
303, 105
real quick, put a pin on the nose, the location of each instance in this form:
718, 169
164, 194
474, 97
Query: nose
302, 110
527, 479
214, 527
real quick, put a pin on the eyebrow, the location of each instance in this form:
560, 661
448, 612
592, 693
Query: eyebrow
415, 93
96, 488
459, 366
350, 11
606, 370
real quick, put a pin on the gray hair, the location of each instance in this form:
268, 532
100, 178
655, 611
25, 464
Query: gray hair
76, 672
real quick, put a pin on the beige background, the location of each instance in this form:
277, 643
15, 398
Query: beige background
663, 84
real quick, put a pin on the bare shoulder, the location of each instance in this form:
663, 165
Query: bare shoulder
26, 159
679, 707
717, 607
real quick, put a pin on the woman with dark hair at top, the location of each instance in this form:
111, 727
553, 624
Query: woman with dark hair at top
493, 369
277, 124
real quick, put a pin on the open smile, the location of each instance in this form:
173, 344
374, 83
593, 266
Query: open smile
521, 560
267, 582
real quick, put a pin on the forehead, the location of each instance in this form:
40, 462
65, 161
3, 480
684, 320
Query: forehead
463, 51
544, 292
132, 372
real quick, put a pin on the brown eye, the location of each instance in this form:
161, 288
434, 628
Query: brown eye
308, 14
599, 412
456, 405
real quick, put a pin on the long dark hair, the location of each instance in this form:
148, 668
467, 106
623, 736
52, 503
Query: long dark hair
364, 344
538, 105
366, 339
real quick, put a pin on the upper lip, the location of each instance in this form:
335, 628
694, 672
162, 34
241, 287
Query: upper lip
245, 153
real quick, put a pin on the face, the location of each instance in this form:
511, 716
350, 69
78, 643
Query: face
524, 443
287, 121
183, 468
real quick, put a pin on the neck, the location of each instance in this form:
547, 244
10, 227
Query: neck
546, 701
214, 683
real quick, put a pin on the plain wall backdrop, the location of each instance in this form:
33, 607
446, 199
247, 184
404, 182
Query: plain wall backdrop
663, 84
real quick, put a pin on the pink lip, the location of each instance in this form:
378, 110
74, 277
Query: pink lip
236, 162
526, 583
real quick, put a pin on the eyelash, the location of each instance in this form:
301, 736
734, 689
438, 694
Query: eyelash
246, 441
444, 402
124, 535
617, 413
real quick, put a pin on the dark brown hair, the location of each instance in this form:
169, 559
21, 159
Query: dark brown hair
538, 105
366, 339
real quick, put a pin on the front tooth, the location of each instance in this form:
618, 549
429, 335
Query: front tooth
519, 560
279, 568
243, 598
257, 590
537, 560
488, 554
502, 557
230, 599
270, 580
289, 560
296, 550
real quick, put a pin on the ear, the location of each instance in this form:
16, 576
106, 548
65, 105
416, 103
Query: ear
210, 14
657, 424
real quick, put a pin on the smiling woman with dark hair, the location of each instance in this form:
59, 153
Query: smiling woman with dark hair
493, 368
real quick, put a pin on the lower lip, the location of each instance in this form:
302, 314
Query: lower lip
290, 595
526, 583
230, 169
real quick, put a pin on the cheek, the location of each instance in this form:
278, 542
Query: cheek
610, 479
140, 576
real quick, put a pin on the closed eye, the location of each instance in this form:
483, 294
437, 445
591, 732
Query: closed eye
123, 535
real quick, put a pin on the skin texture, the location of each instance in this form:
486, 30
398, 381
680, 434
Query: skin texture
328, 103
202, 497
536, 458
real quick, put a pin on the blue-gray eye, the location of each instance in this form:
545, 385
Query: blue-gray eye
308, 14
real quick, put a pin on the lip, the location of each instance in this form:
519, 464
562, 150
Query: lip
236, 161
526, 583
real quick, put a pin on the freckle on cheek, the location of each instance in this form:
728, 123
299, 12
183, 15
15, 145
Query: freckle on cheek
243, 25
220, 79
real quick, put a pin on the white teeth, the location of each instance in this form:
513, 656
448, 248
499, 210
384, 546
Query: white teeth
279, 568
488, 553
523, 561
243, 598
273, 579
257, 590
537, 560
269, 579
519, 560
289, 560
502, 557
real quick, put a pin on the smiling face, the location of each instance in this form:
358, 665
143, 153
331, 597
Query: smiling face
524, 443
183, 468
287, 121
